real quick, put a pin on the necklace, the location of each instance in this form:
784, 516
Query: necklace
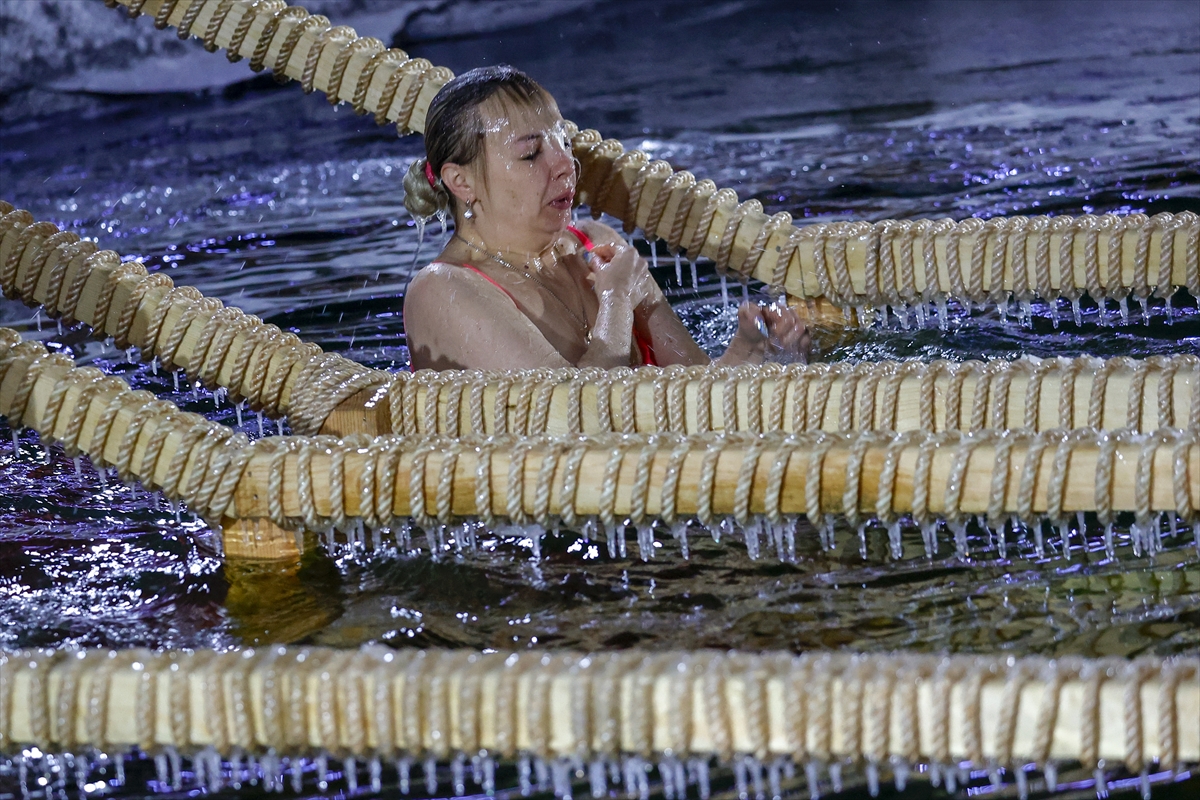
512, 267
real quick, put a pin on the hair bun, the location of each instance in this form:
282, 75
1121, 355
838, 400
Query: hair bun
422, 200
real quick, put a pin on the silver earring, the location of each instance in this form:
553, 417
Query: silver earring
469, 213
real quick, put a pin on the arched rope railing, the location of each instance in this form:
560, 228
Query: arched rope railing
222, 346
761, 482
793, 722
279, 374
900, 265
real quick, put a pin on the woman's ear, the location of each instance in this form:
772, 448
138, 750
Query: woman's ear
460, 182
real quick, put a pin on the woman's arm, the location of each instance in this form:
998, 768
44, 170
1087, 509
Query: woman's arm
658, 323
655, 320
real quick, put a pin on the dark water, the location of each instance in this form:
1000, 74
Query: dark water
274, 202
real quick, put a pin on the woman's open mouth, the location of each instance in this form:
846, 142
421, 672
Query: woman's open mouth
564, 200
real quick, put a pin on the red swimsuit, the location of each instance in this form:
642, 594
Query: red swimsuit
644, 347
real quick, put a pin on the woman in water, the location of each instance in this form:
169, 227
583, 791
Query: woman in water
517, 286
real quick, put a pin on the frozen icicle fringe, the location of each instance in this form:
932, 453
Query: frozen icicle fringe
698, 771
678, 270
458, 777
560, 771
862, 540
812, 773
929, 538
403, 767
873, 778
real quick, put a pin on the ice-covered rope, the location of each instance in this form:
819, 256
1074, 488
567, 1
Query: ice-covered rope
151, 441
1040, 394
754, 479
900, 265
812, 712
272, 370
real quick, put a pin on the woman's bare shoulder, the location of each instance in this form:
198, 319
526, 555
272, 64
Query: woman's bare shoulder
440, 278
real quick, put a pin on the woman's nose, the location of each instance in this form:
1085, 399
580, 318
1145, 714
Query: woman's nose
561, 159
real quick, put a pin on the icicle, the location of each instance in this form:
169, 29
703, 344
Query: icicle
238, 410
835, 776
160, 768
950, 773
78, 462
154, 366
695, 276
900, 773
535, 533
929, 537
679, 529
960, 538
862, 540
751, 533
596, 775
458, 776
1022, 783
613, 533
1039, 543
645, 540
1123, 305
430, 769
1002, 306
102, 474
261, 432
943, 314
1098, 774
1173, 525
350, 770
873, 778
1168, 312
1001, 539
1145, 303
16, 443
402, 772
176, 768
489, 776
540, 772
1144, 783
678, 269
724, 292
756, 777
58, 322
654, 253
1026, 312
1050, 772
560, 771
523, 782
322, 771
739, 778
921, 315
895, 545
279, 426
789, 538
119, 766
1054, 316
198, 768
774, 778
812, 774
699, 768
745, 290
37, 317
1076, 311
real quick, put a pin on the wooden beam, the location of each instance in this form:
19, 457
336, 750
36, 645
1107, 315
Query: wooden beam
567, 704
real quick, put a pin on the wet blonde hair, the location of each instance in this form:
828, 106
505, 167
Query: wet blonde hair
454, 130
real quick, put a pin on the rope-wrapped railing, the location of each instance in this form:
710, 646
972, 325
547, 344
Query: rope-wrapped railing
901, 265
1039, 394
590, 720
762, 482
273, 370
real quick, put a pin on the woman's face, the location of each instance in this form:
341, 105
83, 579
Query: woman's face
528, 174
